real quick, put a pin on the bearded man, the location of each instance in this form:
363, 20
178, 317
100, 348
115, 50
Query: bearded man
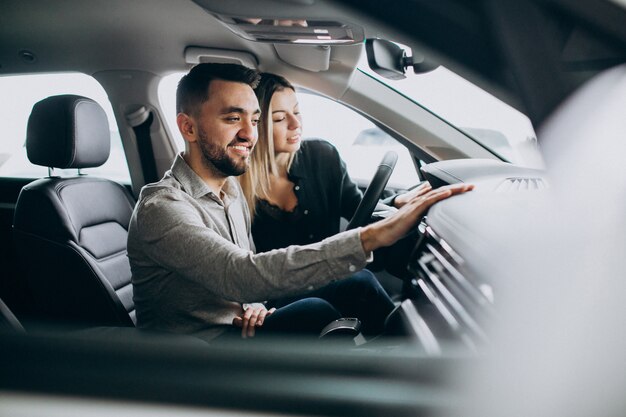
194, 266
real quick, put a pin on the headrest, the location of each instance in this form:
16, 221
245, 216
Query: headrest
68, 131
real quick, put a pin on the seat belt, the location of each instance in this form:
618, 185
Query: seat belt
141, 121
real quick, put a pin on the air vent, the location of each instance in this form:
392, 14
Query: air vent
521, 184
462, 303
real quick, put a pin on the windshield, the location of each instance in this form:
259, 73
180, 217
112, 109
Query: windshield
497, 126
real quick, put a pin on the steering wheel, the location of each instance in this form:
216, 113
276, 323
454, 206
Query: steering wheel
374, 190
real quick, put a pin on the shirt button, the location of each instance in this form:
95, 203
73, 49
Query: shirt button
310, 288
311, 236
352, 268
297, 187
306, 212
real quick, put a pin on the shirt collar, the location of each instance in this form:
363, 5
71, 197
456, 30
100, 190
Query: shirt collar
193, 184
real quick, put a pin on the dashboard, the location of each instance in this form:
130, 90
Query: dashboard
456, 266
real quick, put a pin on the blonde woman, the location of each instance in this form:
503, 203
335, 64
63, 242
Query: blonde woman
297, 191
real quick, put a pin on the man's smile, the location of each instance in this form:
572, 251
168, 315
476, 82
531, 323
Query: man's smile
241, 149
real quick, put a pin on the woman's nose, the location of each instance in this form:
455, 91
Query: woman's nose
294, 122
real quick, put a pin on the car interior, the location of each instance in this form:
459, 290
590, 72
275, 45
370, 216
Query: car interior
468, 281
76, 226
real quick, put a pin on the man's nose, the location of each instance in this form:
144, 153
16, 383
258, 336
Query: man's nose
248, 131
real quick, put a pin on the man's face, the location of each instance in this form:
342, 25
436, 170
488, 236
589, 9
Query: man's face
227, 127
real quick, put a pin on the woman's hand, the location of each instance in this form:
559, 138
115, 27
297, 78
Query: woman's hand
402, 199
253, 317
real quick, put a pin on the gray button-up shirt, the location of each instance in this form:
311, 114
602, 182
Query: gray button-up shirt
193, 261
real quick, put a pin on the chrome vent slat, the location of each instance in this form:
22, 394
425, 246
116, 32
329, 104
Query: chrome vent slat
460, 302
474, 293
460, 312
447, 248
447, 315
422, 331
439, 305
521, 184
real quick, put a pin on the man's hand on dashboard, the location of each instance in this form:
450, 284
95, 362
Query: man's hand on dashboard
388, 231
420, 190
253, 317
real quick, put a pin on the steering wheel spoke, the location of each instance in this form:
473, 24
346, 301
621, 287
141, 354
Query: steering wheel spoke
374, 191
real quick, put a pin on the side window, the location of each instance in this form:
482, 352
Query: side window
20, 93
360, 142
167, 101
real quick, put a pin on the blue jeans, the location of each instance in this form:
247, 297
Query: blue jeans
359, 295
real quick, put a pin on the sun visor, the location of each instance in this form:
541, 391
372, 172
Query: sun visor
316, 57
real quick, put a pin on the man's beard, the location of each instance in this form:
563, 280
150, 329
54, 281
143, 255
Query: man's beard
215, 157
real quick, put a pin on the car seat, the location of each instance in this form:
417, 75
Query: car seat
70, 232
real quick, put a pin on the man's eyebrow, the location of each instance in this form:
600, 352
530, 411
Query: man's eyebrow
240, 110
232, 109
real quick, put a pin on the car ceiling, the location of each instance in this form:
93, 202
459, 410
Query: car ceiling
90, 36
150, 36
476, 39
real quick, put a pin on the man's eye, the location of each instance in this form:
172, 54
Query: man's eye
255, 121
232, 119
279, 120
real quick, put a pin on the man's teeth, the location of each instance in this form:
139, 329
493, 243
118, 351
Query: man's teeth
239, 147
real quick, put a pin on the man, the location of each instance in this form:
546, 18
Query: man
189, 245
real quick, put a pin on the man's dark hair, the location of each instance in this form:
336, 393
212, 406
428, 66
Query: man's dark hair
193, 88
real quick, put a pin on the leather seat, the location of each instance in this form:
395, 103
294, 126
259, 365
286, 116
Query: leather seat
70, 233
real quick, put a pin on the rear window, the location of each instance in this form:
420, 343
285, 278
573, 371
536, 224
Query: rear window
20, 93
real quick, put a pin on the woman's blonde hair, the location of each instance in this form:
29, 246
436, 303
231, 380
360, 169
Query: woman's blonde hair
255, 182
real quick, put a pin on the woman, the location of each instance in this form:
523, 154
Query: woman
298, 191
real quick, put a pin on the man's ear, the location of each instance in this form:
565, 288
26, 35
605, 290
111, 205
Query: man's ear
186, 125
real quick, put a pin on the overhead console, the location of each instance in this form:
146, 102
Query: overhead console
285, 21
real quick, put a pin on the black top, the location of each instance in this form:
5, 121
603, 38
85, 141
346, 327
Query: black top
325, 193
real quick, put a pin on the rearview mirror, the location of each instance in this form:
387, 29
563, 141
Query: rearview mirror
389, 60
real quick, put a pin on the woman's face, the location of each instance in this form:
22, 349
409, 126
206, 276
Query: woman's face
286, 121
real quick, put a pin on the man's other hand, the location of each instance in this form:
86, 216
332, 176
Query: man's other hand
253, 317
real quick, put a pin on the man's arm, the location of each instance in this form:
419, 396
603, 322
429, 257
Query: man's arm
173, 235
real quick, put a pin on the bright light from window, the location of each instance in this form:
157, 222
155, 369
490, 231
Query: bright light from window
493, 123
167, 100
26, 90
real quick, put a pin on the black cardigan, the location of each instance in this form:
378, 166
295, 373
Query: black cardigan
325, 193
